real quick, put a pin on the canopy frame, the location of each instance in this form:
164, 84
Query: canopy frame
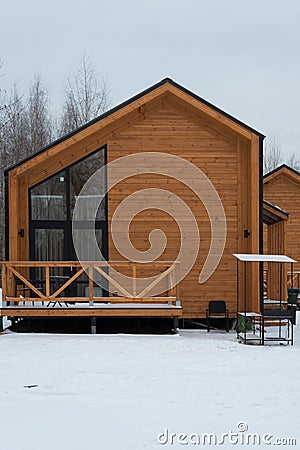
259, 258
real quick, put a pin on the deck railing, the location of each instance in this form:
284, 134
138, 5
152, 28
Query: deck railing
18, 285
293, 279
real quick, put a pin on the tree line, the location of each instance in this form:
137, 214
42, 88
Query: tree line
274, 156
27, 122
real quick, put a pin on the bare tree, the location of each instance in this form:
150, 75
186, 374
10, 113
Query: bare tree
1, 75
14, 136
25, 127
2, 227
40, 125
272, 154
13, 141
26, 124
294, 162
85, 96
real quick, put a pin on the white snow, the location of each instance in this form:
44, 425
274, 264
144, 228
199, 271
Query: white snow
264, 258
118, 392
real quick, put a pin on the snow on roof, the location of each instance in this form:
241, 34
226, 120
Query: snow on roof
263, 258
276, 207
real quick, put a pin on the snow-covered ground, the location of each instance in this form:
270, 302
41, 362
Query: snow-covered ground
120, 392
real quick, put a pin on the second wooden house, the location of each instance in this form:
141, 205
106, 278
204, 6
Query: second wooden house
282, 188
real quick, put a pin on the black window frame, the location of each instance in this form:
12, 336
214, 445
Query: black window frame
66, 224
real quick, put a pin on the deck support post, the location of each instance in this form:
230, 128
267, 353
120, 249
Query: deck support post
93, 325
137, 323
1, 324
175, 325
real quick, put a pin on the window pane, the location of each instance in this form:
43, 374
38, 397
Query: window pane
49, 245
91, 254
48, 200
85, 241
79, 175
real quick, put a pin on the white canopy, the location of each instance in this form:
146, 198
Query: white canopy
264, 258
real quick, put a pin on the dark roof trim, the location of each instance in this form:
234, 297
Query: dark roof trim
282, 166
276, 208
272, 214
205, 102
127, 102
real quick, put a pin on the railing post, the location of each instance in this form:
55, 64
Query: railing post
172, 287
91, 285
4, 285
176, 280
10, 282
134, 280
47, 274
173, 280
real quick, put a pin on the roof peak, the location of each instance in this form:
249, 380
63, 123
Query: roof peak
132, 100
281, 167
167, 80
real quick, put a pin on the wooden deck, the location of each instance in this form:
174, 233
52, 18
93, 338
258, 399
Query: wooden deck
108, 310
24, 297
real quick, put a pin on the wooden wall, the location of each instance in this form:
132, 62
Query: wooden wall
170, 128
275, 222
277, 246
173, 124
284, 191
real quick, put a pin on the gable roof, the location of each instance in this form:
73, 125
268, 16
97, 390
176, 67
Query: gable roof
283, 169
111, 112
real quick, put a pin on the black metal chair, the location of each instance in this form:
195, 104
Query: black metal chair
217, 310
293, 294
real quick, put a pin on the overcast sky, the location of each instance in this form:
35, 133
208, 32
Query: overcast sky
243, 56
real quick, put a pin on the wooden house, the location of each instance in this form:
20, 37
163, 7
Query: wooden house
164, 119
282, 188
275, 220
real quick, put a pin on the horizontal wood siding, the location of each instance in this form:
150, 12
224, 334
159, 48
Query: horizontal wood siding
276, 246
167, 128
282, 191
